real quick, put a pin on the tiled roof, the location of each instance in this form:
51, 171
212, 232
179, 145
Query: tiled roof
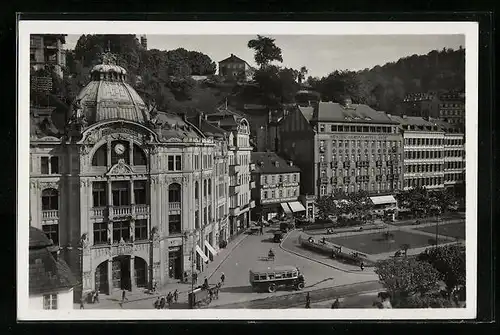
207, 128
355, 113
234, 58
173, 126
411, 120
265, 162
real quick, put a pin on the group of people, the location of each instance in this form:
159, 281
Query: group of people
335, 305
163, 302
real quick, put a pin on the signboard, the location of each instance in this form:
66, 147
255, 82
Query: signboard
175, 242
277, 200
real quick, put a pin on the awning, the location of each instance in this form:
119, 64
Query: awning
284, 205
201, 253
384, 199
210, 248
296, 206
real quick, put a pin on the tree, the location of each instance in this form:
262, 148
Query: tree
426, 301
359, 204
449, 260
417, 200
339, 85
302, 74
407, 277
276, 85
266, 50
201, 64
328, 206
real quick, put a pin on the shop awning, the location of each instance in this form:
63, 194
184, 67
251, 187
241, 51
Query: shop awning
210, 248
384, 199
285, 207
296, 206
201, 253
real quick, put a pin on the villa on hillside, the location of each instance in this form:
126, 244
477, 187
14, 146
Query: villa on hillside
235, 67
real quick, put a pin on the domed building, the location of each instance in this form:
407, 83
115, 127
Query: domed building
132, 196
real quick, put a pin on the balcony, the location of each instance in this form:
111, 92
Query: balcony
141, 209
52, 214
322, 149
120, 211
234, 189
252, 166
252, 185
174, 206
323, 165
323, 180
252, 203
234, 169
98, 212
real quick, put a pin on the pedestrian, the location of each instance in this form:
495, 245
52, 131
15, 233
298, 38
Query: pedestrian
96, 296
336, 304
262, 228
362, 266
195, 278
156, 304
308, 300
217, 291
162, 302
176, 295
170, 298
82, 305
205, 283
222, 277
124, 296
211, 294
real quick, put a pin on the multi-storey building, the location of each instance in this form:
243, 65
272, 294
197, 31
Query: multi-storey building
235, 68
451, 107
343, 147
239, 157
130, 195
277, 186
47, 50
424, 143
454, 154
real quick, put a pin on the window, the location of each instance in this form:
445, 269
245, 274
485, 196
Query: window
50, 301
321, 127
52, 232
50, 165
171, 164
100, 157
178, 164
100, 233
197, 219
196, 190
323, 190
141, 229
205, 213
120, 191
50, 199
140, 192
205, 188
174, 224
121, 230
120, 150
139, 156
99, 193
174, 193
264, 195
210, 187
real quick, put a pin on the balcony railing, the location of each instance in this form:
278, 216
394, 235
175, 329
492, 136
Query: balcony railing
98, 211
252, 166
252, 185
120, 211
141, 209
174, 206
323, 165
50, 214
324, 180
252, 203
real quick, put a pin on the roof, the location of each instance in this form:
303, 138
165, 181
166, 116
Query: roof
384, 199
355, 113
206, 127
276, 268
234, 58
307, 111
265, 162
46, 274
173, 126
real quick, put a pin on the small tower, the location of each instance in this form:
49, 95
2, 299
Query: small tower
144, 42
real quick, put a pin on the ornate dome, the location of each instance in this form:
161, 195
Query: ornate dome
109, 97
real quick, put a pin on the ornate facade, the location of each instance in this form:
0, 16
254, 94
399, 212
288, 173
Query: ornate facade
132, 196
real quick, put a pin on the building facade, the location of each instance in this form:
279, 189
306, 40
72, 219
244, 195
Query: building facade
130, 195
47, 50
277, 186
343, 147
451, 107
235, 68
423, 142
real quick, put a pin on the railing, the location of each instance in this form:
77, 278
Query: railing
141, 209
252, 166
252, 185
252, 203
50, 214
174, 205
120, 210
98, 211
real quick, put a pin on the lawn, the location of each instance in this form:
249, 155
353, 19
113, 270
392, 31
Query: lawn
456, 230
376, 244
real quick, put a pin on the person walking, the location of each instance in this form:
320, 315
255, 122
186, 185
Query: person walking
217, 291
124, 296
362, 266
156, 304
82, 305
262, 228
162, 302
176, 295
222, 278
205, 283
308, 300
336, 304
96, 296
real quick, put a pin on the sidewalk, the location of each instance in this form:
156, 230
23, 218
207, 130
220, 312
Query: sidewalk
107, 301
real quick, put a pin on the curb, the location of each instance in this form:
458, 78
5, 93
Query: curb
318, 261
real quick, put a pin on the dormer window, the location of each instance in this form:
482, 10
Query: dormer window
277, 164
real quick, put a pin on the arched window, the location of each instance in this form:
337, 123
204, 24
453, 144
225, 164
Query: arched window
210, 187
50, 199
100, 156
139, 156
174, 193
196, 190
205, 188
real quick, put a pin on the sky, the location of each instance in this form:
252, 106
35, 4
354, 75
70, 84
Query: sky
320, 54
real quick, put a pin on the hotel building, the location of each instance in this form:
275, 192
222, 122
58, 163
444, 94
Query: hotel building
133, 196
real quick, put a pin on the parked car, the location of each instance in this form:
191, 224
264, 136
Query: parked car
270, 279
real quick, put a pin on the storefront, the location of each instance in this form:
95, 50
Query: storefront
175, 262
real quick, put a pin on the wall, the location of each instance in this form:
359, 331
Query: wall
64, 301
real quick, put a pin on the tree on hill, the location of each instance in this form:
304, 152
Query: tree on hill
302, 74
339, 85
266, 50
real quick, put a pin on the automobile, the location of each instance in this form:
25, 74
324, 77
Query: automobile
271, 278
278, 236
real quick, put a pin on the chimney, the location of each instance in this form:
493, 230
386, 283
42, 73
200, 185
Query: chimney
201, 116
347, 102
232, 55
290, 163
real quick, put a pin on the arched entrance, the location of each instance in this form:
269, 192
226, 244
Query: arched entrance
121, 273
101, 278
140, 272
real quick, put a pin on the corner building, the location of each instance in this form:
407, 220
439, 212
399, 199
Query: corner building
127, 194
343, 147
